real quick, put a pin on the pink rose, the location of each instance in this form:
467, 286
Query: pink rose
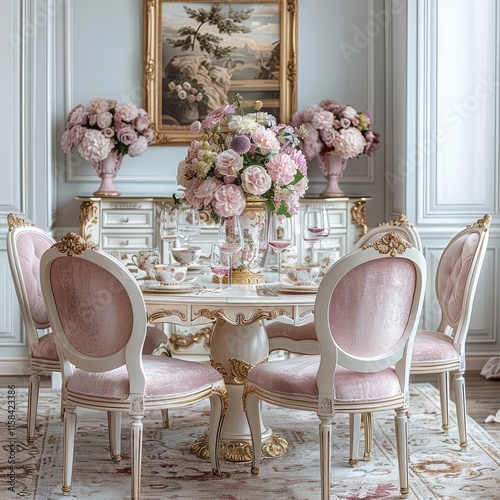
228, 163
229, 200
255, 180
127, 135
206, 190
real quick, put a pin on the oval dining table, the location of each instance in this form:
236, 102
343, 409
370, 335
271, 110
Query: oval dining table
237, 344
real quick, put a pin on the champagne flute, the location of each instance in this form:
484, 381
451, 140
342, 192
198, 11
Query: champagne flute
219, 263
188, 219
230, 239
279, 236
169, 229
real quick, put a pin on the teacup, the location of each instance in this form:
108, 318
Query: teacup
170, 274
186, 255
326, 258
301, 274
145, 260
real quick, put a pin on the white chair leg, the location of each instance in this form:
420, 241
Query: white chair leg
115, 433
354, 437
402, 448
325, 447
68, 448
217, 413
444, 396
33, 388
368, 426
252, 410
136, 452
165, 418
460, 401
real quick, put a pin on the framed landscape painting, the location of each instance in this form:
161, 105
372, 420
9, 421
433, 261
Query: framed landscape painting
198, 54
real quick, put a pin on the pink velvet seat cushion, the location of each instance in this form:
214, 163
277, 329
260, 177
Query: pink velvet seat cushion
433, 347
165, 377
46, 348
303, 332
297, 377
154, 337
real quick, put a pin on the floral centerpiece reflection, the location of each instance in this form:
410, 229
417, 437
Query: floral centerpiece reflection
242, 159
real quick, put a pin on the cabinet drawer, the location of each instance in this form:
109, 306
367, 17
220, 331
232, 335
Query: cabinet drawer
122, 241
127, 218
337, 218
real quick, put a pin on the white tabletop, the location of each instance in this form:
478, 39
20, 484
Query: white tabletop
238, 306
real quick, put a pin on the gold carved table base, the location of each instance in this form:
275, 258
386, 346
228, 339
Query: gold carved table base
241, 451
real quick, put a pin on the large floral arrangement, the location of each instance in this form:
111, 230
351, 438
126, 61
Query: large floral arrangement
105, 126
242, 155
338, 129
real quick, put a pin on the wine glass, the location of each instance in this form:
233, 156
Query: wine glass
314, 225
230, 239
188, 219
219, 263
279, 236
169, 228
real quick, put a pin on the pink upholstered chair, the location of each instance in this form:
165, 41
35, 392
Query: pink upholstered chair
366, 316
101, 342
442, 351
302, 339
25, 246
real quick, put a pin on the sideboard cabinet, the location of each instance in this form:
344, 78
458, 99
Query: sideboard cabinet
123, 225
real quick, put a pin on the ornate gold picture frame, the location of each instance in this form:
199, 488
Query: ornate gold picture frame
198, 53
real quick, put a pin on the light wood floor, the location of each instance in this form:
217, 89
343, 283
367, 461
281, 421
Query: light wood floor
483, 396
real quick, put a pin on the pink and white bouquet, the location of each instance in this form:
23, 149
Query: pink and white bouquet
106, 126
244, 156
336, 129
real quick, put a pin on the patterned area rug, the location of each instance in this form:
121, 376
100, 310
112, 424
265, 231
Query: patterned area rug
439, 468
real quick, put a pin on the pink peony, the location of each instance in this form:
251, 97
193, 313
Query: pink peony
190, 193
229, 200
206, 190
255, 180
350, 143
266, 141
141, 123
104, 120
282, 169
128, 112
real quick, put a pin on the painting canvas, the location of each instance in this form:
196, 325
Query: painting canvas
207, 51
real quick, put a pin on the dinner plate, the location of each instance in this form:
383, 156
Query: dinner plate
298, 288
160, 288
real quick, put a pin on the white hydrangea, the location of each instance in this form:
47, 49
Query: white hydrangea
95, 146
